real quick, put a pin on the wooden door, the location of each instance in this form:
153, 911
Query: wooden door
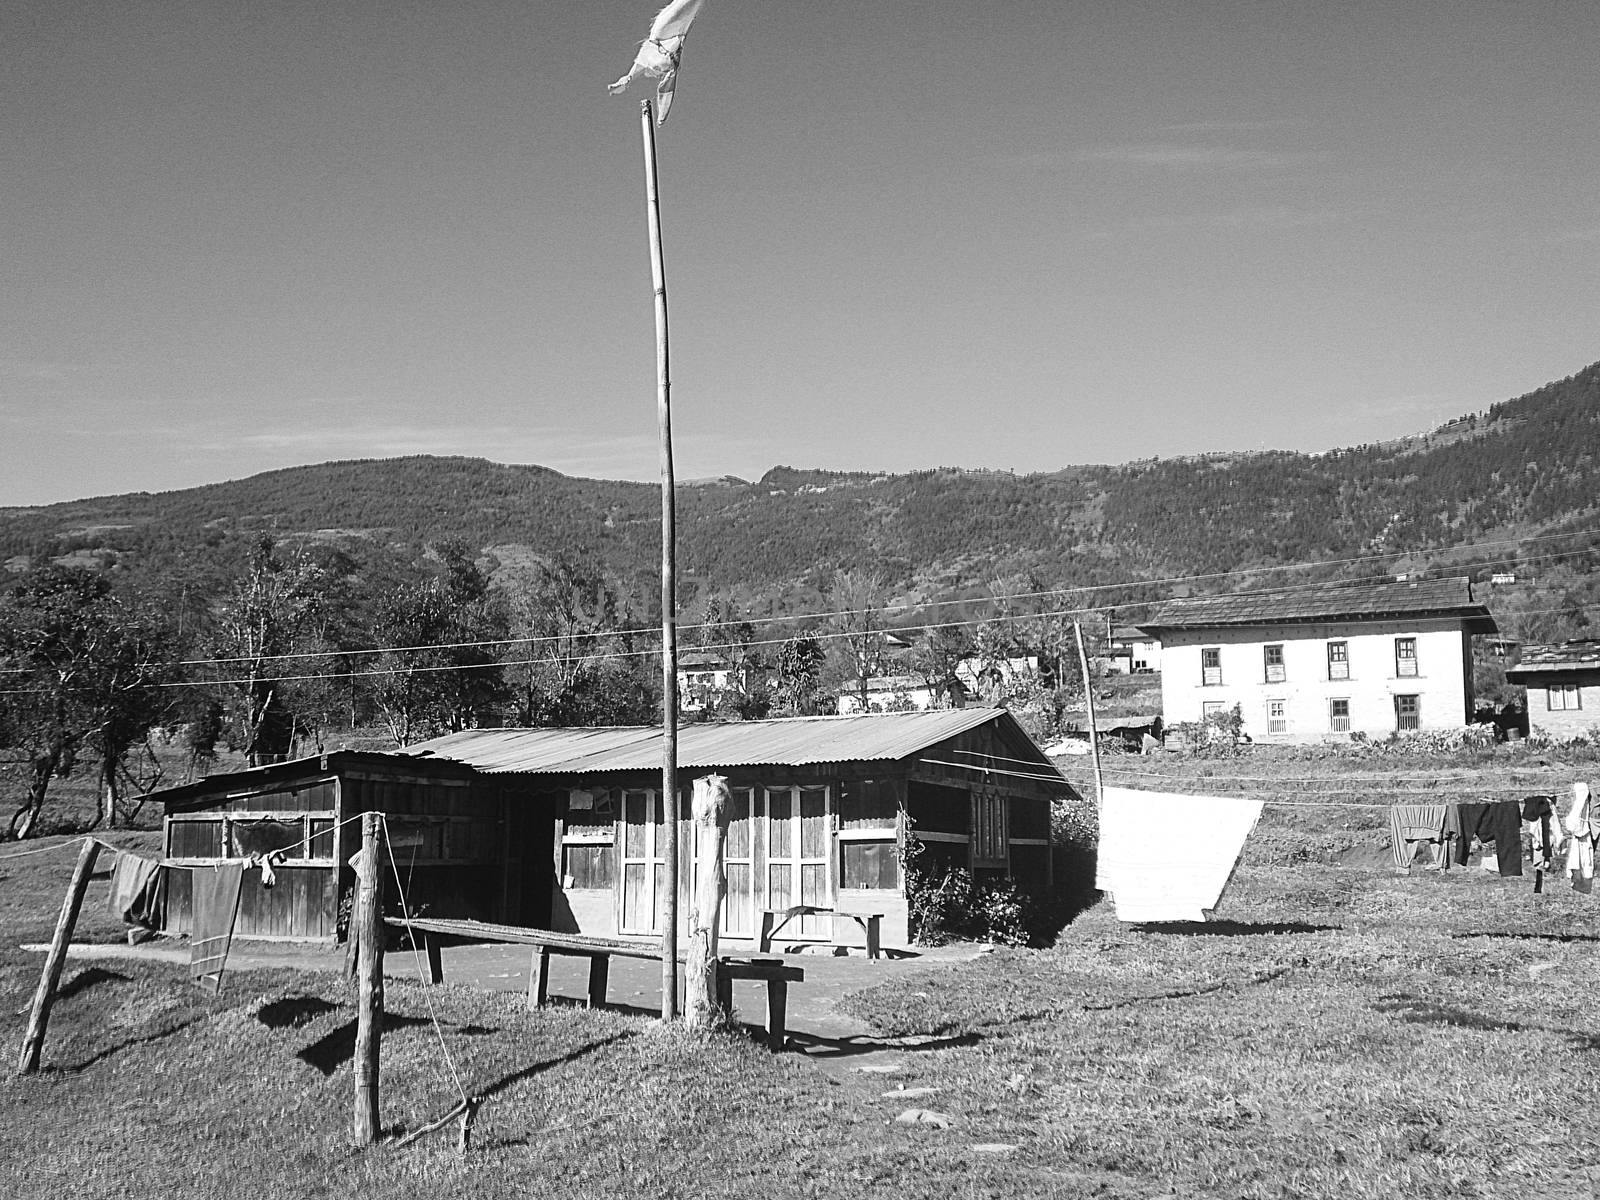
643, 867
738, 906
798, 828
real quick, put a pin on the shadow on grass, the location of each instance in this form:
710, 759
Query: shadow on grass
79, 1067
84, 980
815, 1046
1233, 928
1534, 937
540, 1068
331, 1051
1415, 1010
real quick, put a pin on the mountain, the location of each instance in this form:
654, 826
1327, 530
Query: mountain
1525, 469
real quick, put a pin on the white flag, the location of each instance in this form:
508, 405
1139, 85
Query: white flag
662, 52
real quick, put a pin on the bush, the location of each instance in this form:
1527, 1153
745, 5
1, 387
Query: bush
946, 904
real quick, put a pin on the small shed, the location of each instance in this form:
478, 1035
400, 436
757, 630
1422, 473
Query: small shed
1563, 682
465, 844
822, 806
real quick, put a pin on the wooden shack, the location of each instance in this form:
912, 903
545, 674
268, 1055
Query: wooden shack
465, 844
822, 806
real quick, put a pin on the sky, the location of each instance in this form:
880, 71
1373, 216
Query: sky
899, 234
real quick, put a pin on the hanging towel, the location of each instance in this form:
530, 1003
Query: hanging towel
1410, 824
136, 890
1167, 857
215, 893
1581, 822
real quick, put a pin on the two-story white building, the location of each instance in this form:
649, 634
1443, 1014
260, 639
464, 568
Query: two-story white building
1321, 663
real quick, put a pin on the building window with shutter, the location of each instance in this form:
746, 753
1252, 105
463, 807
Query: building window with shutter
1277, 716
1339, 715
1561, 697
1407, 712
991, 844
1211, 666
1405, 657
1272, 658
1338, 660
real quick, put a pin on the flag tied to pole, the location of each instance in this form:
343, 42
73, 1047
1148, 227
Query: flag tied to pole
661, 53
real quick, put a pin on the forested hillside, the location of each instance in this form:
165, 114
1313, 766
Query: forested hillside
1526, 467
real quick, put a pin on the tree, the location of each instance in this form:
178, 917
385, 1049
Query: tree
84, 670
937, 655
799, 689
271, 613
858, 645
577, 662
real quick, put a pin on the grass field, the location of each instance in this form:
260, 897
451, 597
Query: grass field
1340, 1031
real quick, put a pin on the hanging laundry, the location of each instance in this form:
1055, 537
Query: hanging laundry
215, 892
1168, 857
1536, 811
1583, 825
1413, 825
136, 891
1498, 821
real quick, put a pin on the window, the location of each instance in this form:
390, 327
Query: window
1405, 657
1339, 715
1561, 696
1338, 660
1210, 708
1277, 716
1211, 666
990, 844
1272, 658
1407, 712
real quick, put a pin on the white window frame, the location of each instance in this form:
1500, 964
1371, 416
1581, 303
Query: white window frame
1339, 667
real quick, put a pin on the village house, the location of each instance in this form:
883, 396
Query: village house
562, 828
1324, 662
1563, 682
1131, 651
705, 676
899, 693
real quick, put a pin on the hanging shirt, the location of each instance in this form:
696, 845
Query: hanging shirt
1168, 857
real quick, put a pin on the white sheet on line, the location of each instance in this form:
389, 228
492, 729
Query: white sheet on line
1167, 857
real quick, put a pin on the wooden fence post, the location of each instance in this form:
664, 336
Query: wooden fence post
367, 925
39, 1016
711, 807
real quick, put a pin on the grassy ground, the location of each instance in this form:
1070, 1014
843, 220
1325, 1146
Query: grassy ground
1340, 1031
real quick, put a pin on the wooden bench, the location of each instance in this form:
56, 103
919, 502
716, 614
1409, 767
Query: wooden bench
434, 932
774, 919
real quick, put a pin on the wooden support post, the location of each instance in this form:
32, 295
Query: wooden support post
711, 806
430, 944
669, 584
39, 1016
538, 977
599, 977
367, 920
777, 1012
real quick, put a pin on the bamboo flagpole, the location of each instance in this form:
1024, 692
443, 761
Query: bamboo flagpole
669, 591
1094, 733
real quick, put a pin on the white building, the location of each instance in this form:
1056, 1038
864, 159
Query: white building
1323, 663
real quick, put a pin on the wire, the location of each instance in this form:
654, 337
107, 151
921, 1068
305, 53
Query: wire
416, 954
909, 606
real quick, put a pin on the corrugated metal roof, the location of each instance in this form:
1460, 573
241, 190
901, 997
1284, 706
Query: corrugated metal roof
1414, 598
1549, 657
788, 741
